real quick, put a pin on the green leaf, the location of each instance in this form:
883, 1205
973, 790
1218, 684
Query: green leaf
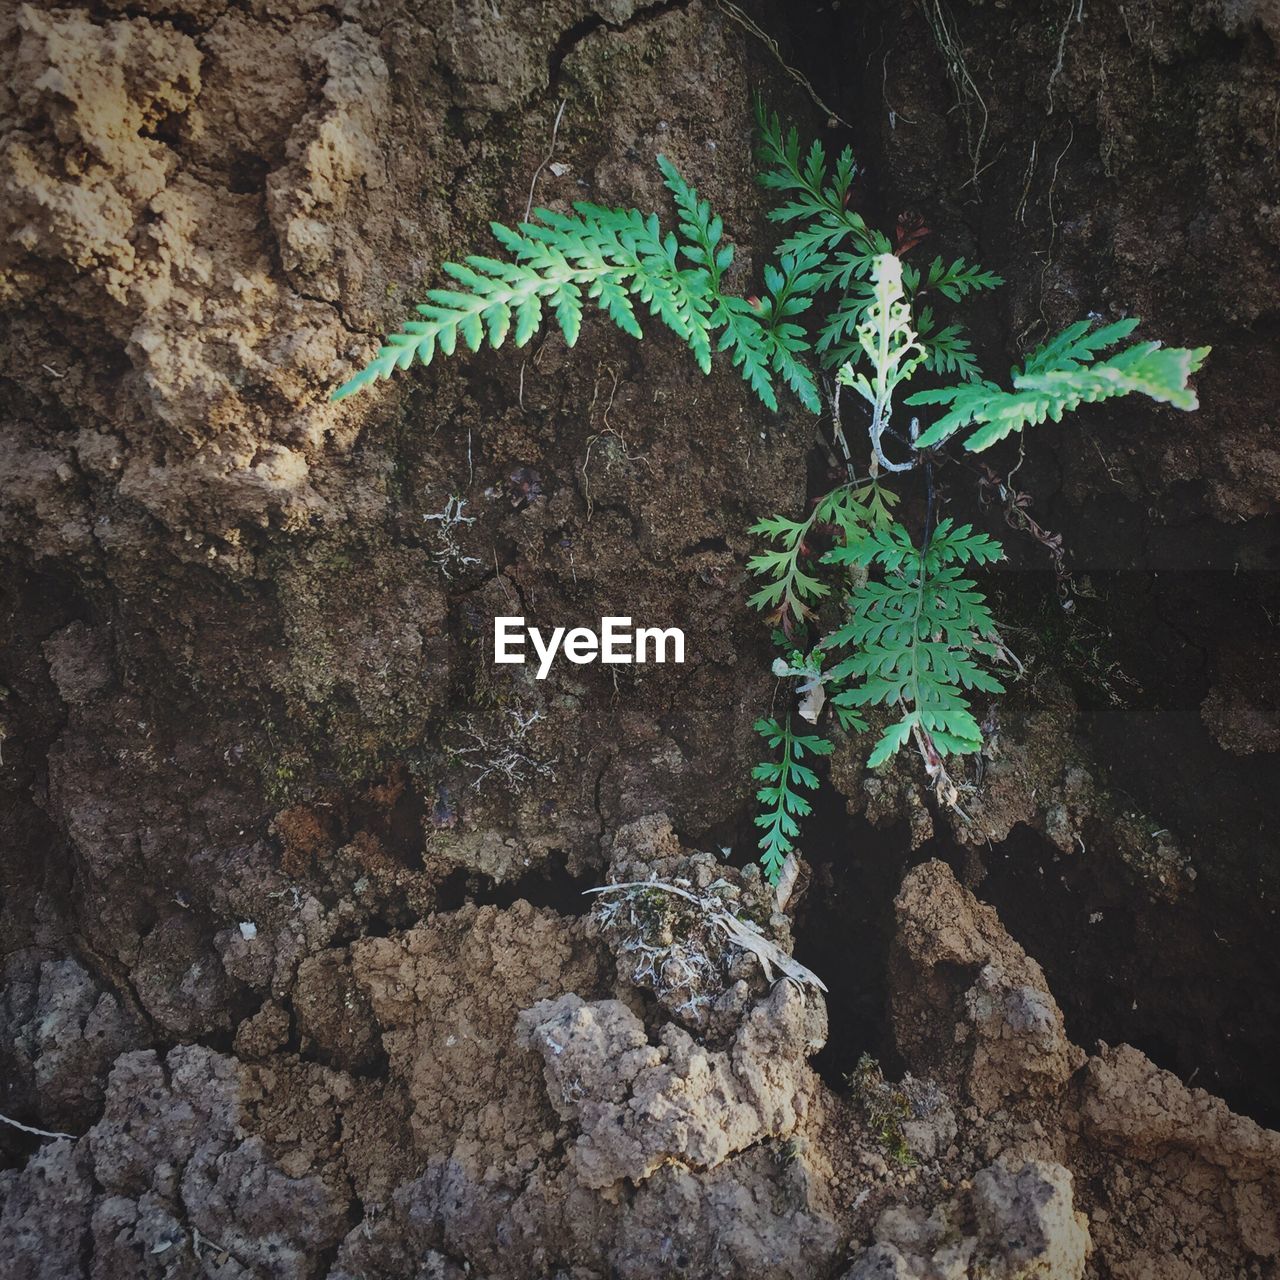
1058, 377
852, 507
781, 800
956, 280
947, 350
916, 635
528, 318
890, 742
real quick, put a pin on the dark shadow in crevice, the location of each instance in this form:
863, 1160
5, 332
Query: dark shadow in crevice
1191, 985
843, 928
550, 885
1173, 977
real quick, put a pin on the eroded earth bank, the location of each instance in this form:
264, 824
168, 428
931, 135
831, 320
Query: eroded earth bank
297, 953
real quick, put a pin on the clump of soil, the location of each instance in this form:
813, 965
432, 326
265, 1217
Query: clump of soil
667, 925
552, 1111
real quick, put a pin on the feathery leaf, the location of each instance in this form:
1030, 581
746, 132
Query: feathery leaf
780, 795
915, 633
1058, 377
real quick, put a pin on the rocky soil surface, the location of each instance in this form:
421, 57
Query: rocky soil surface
299, 977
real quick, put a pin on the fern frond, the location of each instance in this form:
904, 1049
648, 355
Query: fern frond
611, 255
953, 281
780, 796
854, 508
815, 194
705, 246
805, 178
915, 635
1060, 376
790, 287
946, 350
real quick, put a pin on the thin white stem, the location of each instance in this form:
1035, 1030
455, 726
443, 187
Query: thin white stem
551, 152
879, 423
39, 1133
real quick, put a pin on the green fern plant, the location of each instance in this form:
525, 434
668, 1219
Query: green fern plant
916, 634
913, 632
